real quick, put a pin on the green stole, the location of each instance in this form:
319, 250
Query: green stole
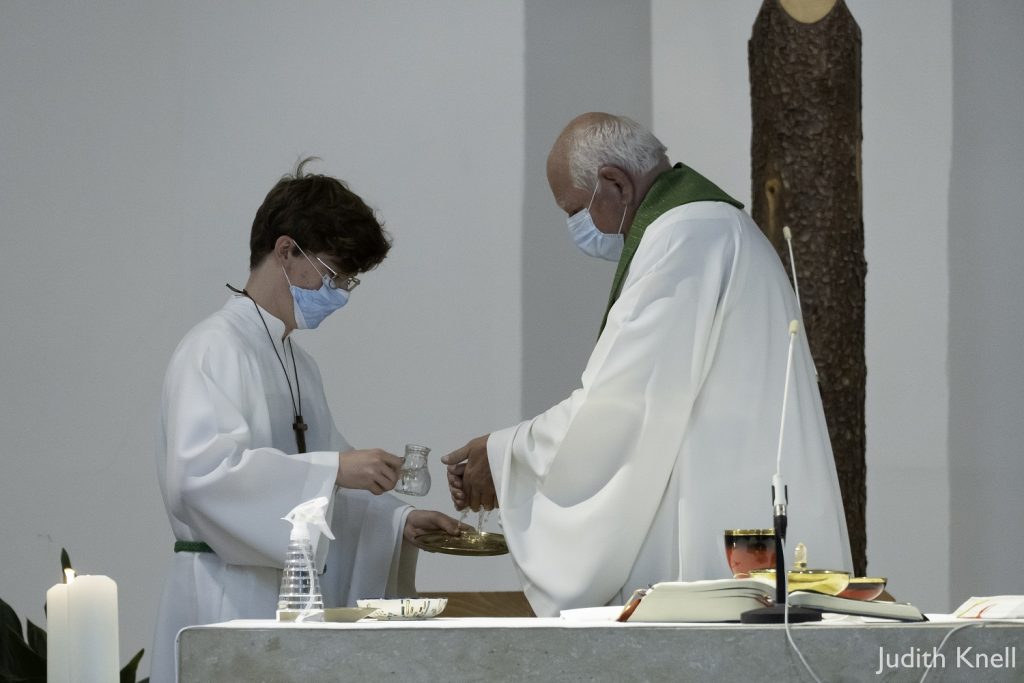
675, 187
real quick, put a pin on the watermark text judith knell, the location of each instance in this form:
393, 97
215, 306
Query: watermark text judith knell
963, 658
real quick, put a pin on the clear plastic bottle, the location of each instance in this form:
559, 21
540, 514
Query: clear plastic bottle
414, 477
300, 598
300, 585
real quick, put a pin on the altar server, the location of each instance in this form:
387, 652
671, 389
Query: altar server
246, 433
671, 437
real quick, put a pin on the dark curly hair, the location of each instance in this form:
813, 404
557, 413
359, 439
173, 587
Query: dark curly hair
323, 216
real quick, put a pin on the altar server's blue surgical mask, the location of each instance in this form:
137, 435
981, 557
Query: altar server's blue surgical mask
313, 305
592, 241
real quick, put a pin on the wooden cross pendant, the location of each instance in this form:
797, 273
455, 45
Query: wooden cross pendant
300, 428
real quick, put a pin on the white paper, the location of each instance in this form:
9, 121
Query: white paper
994, 607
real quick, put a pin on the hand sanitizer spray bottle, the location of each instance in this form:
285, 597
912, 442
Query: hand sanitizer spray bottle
300, 597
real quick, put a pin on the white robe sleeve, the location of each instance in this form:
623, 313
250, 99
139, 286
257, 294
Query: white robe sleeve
579, 485
231, 495
368, 558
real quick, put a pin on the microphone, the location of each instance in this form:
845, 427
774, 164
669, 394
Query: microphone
780, 612
788, 234
779, 493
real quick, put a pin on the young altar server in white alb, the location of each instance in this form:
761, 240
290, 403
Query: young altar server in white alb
672, 436
246, 432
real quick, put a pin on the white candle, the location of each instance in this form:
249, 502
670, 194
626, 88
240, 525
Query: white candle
82, 638
57, 670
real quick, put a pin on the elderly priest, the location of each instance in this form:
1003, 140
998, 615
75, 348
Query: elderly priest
672, 436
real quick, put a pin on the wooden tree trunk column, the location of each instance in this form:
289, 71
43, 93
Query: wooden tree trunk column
805, 99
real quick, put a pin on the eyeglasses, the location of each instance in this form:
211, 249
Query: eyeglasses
335, 281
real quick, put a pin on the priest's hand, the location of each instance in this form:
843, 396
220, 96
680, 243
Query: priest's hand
423, 521
469, 476
373, 469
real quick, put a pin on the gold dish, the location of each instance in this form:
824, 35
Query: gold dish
470, 543
864, 588
828, 581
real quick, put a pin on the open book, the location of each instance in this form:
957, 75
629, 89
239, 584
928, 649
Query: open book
727, 599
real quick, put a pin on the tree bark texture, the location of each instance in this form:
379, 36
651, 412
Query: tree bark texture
805, 91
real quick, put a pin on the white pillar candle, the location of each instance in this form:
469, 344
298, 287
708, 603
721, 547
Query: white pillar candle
57, 650
82, 638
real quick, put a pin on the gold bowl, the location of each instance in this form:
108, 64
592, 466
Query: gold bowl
828, 581
864, 588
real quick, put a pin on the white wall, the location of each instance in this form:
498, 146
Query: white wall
137, 141
702, 112
581, 55
907, 139
986, 241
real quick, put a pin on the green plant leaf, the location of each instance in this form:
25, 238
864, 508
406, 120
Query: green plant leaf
128, 672
10, 635
9, 618
36, 638
8, 664
17, 660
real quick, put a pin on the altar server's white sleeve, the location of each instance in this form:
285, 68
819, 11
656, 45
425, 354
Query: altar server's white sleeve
580, 483
231, 494
368, 558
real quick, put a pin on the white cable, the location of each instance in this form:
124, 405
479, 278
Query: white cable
793, 327
941, 645
979, 624
789, 634
799, 654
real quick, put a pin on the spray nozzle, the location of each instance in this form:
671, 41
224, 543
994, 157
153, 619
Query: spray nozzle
311, 513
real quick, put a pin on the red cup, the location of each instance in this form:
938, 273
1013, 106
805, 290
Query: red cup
749, 549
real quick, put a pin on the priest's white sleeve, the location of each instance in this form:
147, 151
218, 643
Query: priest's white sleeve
579, 485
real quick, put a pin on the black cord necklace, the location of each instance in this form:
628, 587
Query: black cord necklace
298, 426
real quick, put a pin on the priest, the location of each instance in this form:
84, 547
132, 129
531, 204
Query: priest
246, 433
671, 437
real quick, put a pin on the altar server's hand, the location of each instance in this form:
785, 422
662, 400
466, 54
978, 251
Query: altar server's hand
373, 469
422, 521
469, 476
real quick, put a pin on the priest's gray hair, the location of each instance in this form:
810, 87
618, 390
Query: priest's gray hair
612, 141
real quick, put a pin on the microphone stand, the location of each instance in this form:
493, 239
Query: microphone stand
779, 613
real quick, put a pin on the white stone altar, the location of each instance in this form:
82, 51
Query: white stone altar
495, 649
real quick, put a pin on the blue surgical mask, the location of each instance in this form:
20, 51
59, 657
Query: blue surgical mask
592, 241
313, 305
